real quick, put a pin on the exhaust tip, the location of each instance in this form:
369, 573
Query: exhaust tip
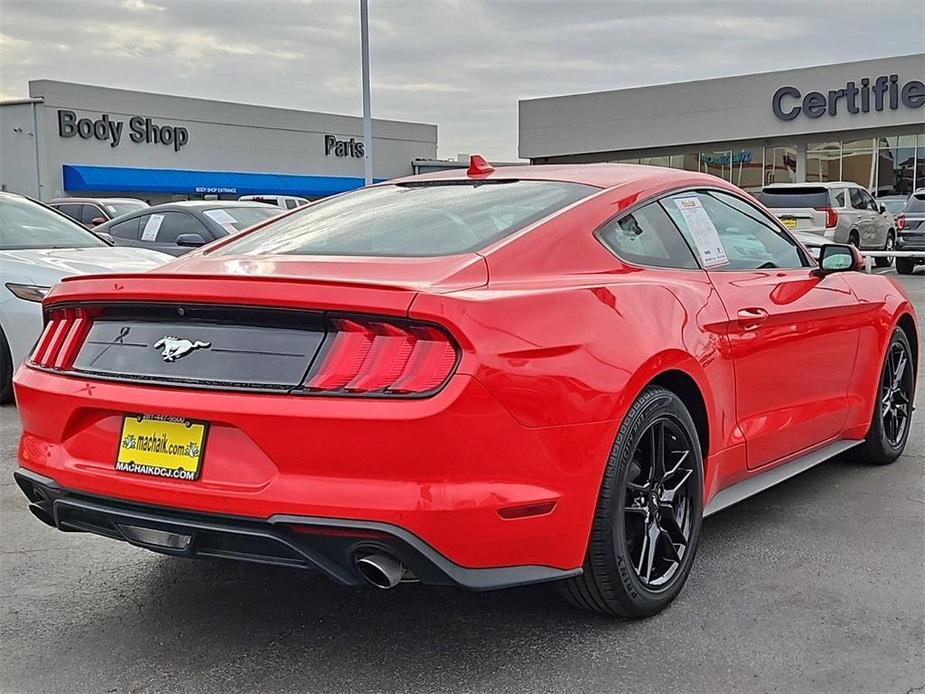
381, 570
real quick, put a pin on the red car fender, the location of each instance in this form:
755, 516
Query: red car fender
892, 307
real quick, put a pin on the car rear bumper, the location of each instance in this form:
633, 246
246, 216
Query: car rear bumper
455, 470
328, 546
911, 242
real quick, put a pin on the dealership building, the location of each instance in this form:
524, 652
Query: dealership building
860, 121
70, 139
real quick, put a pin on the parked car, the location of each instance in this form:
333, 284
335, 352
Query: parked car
842, 212
811, 242
894, 203
284, 202
480, 378
39, 246
178, 227
91, 212
911, 227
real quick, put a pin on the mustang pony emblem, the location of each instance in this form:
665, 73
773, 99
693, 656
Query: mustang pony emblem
176, 347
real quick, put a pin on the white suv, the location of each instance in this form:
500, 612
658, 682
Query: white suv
842, 212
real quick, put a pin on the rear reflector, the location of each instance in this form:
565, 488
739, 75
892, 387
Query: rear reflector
538, 509
376, 356
65, 331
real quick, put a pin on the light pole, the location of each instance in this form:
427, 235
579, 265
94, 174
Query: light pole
367, 118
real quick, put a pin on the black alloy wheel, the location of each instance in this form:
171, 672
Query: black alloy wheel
647, 522
891, 419
896, 389
657, 504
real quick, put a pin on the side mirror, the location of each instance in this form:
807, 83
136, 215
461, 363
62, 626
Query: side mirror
190, 240
839, 257
881, 208
96, 221
106, 237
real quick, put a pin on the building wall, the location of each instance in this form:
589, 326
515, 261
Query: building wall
222, 136
725, 110
18, 149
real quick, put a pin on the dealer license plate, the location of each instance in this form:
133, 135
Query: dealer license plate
790, 223
169, 447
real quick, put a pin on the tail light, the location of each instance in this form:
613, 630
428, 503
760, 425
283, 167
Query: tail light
377, 356
64, 333
831, 216
901, 222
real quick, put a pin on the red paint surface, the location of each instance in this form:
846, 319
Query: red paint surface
557, 339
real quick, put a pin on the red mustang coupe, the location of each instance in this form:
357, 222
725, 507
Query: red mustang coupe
482, 378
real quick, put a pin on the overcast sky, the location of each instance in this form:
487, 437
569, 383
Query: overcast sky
461, 64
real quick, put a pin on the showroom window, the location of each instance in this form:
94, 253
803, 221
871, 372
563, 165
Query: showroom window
900, 164
780, 164
858, 163
823, 161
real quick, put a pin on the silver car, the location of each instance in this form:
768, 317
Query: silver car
842, 212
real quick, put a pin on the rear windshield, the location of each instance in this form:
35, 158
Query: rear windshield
894, 206
117, 209
265, 201
811, 196
411, 219
916, 203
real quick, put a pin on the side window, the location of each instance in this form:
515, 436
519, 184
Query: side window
71, 210
91, 212
868, 200
749, 239
173, 224
290, 204
838, 198
127, 230
857, 199
647, 237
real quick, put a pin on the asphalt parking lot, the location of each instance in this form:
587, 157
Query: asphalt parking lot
816, 585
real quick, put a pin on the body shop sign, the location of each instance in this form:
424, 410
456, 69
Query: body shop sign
141, 130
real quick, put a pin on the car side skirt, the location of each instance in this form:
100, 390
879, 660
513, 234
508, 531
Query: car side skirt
775, 475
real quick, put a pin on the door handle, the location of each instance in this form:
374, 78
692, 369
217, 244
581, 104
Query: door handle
751, 318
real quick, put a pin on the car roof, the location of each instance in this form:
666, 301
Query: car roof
814, 184
209, 204
601, 175
101, 200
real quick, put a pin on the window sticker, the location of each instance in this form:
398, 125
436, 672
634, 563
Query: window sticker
149, 233
706, 238
220, 216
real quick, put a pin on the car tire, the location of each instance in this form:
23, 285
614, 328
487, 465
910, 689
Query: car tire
6, 371
854, 239
905, 266
886, 439
888, 245
627, 573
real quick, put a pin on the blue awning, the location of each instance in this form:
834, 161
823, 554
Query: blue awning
121, 179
